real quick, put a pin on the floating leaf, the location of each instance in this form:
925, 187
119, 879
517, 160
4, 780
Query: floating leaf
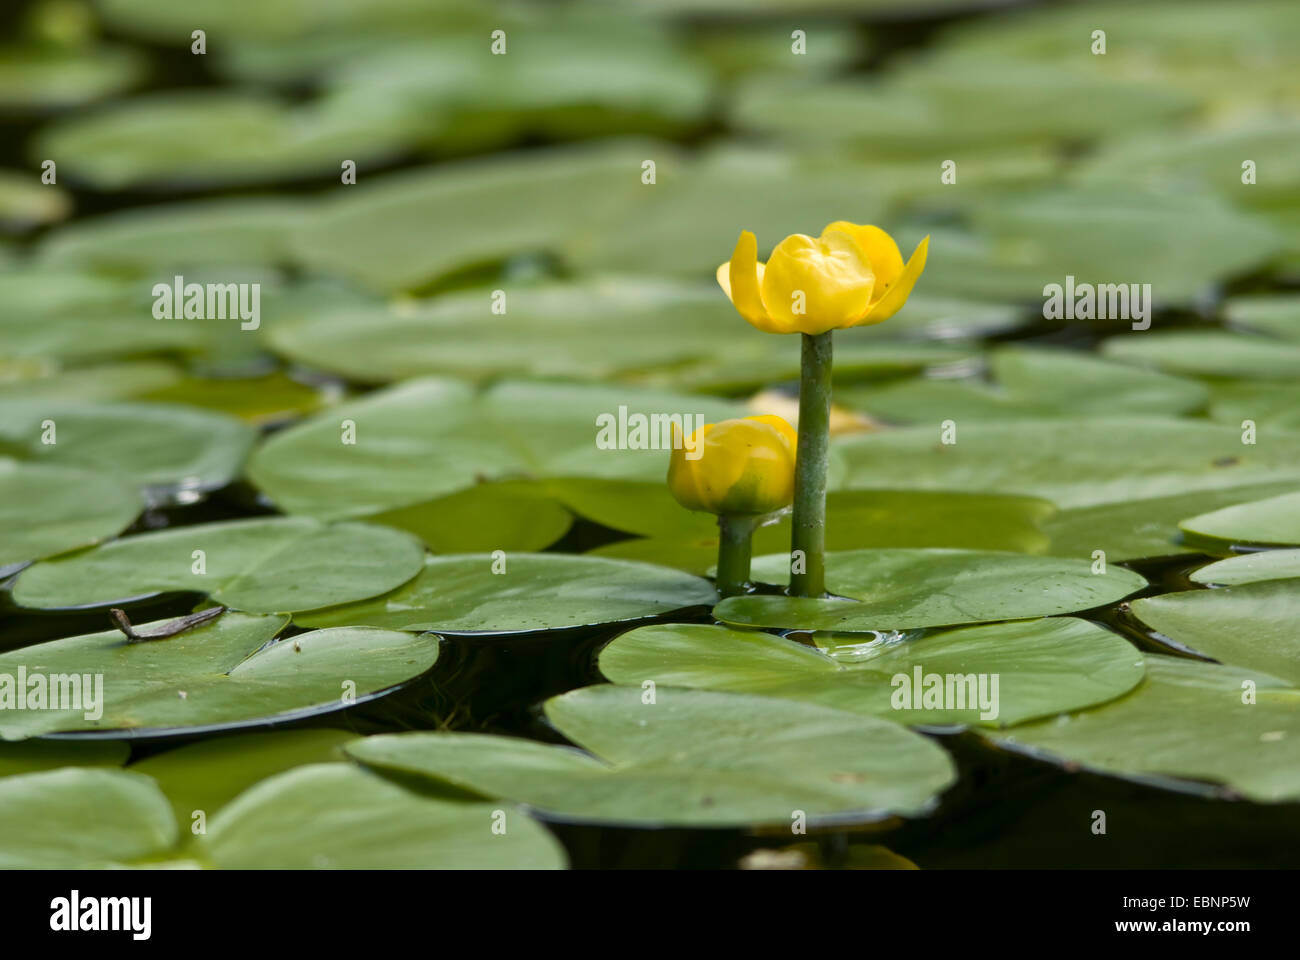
1272, 520
901, 589
118, 817
50, 79
1042, 667
1251, 568
336, 816
1251, 625
1209, 354
490, 516
76, 508
1072, 462
532, 592
220, 675
1188, 721
691, 758
262, 565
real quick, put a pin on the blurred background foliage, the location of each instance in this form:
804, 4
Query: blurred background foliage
524, 172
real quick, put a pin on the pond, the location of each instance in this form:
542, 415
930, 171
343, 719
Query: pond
422, 444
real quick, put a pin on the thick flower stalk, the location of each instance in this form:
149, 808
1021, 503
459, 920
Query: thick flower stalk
742, 471
850, 276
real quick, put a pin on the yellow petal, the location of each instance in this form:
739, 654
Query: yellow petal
878, 248
782, 427
740, 279
814, 285
897, 295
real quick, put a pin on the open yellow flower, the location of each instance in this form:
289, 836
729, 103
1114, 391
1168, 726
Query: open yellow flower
745, 467
850, 276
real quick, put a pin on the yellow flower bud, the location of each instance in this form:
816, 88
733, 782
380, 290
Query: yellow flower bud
850, 276
744, 467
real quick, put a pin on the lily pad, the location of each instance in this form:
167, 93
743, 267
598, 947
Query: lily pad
1251, 625
119, 817
900, 589
1043, 667
220, 675
690, 758
430, 437
1273, 520
1251, 568
1209, 354
522, 593
1276, 314
261, 565
77, 508
167, 450
337, 816
1190, 725
25, 202
1073, 462
1033, 383
51, 79
206, 775
514, 516
1136, 529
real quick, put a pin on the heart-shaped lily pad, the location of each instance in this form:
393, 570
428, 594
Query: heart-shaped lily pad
222, 674
164, 449
522, 593
1022, 670
77, 508
337, 816
1189, 721
119, 817
685, 758
430, 437
206, 775
488, 516
1251, 568
1072, 462
1273, 520
262, 565
901, 589
1251, 625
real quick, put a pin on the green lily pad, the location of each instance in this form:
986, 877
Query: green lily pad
200, 138
51, 79
900, 589
337, 816
220, 675
1043, 667
210, 233
1136, 529
256, 400
1276, 314
119, 817
532, 592
167, 450
25, 202
511, 205
1251, 625
1209, 354
111, 381
206, 775
261, 565
37, 756
691, 758
1273, 404
1072, 462
77, 508
1251, 568
1033, 383
1189, 722
490, 516
429, 438
1272, 520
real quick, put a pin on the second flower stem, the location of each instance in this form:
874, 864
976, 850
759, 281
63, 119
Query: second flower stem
735, 545
808, 535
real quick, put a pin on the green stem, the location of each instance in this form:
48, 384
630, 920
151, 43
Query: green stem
734, 548
808, 535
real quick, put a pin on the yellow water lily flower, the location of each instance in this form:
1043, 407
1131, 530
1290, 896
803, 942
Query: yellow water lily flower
850, 276
744, 467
